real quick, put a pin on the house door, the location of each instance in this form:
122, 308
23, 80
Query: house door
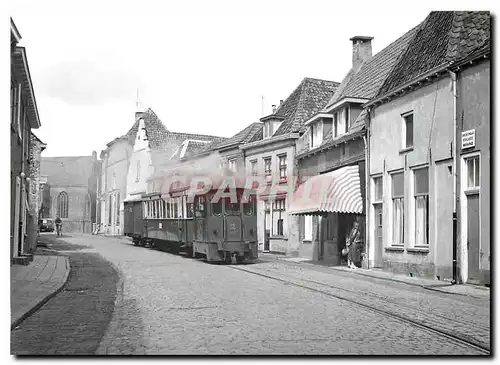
267, 226
473, 237
379, 242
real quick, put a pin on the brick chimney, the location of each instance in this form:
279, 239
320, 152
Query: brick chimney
361, 50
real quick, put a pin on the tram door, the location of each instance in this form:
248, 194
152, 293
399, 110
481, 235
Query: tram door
249, 219
232, 221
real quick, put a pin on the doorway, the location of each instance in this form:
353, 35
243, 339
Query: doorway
473, 237
267, 225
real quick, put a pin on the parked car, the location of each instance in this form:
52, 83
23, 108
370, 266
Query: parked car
46, 225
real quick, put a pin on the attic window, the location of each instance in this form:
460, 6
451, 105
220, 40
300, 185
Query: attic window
316, 134
268, 129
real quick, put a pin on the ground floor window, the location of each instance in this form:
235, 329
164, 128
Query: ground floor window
398, 211
278, 213
421, 196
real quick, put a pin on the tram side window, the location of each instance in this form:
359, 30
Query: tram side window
200, 206
189, 210
232, 208
249, 207
174, 210
168, 209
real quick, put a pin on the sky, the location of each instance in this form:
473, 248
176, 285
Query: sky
203, 67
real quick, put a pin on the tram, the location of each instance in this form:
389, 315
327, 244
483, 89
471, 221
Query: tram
215, 218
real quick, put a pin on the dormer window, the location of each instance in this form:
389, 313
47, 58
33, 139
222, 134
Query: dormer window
316, 134
271, 125
340, 122
268, 129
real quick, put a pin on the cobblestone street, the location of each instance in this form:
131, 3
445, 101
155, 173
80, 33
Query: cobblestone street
168, 304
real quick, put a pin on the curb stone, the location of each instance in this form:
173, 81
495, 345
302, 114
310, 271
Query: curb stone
433, 287
37, 306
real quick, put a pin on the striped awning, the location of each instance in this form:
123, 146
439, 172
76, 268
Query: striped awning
336, 191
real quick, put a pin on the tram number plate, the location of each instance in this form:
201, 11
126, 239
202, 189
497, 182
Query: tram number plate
159, 225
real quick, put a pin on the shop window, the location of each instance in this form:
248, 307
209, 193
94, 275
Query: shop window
398, 209
217, 208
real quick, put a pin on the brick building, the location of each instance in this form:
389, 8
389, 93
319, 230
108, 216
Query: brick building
71, 186
23, 118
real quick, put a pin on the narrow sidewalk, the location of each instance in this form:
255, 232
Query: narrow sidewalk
436, 285
33, 285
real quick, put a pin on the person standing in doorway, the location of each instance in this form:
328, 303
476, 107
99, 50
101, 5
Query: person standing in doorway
353, 246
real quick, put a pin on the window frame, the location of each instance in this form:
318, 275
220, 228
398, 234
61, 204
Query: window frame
268, 172
282, 166
394, 198
62, 205
138, 170
278, 206
476, 175
376, 199
404, 134
416, 196
253, 167
232, 164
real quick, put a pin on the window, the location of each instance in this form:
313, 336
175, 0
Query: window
199, 206
117, 208
308, 228
398, 216
232, 165
138, 171
335, 125
408, 130
278, 213
472, 165
379, 192
267, 167
421, 195
62, 205
217, 208
347, 118
341, 124
87, 207
282, 166
231, 208
268, 130
316, 134
253, 167
249, 207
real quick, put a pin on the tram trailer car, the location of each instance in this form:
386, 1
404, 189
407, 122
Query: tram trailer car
133, 226
216, 230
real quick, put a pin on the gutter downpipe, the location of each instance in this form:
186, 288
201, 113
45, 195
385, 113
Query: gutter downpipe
367, 188
453, 76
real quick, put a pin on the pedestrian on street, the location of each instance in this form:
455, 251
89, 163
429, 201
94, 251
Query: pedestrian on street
353, 242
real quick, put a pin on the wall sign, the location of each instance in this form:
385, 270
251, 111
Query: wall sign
469, 139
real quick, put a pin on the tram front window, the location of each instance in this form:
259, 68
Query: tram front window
232, 208
249, 206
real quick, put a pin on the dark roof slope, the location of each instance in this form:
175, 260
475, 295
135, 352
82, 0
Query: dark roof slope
306, 100
243, 136
66, 171
444, 37
366, 82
